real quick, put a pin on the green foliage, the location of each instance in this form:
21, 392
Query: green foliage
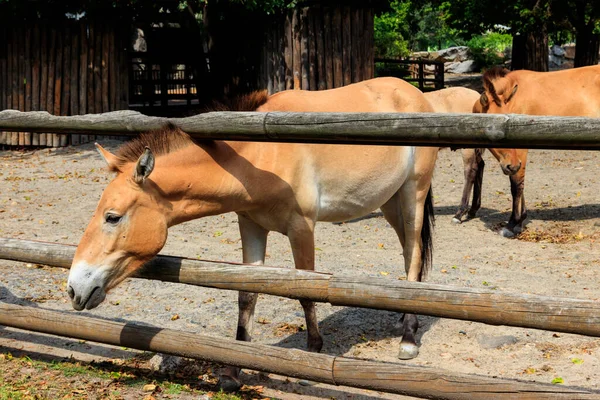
488, 50
433, 31
390, 31
413, 25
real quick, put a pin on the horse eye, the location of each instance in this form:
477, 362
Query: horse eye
112, 219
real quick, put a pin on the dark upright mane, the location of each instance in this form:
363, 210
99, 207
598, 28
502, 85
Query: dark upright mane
161, 141
170, 138
491, 75
245, 102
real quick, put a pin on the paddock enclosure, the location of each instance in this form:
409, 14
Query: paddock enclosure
66, 68
49, 195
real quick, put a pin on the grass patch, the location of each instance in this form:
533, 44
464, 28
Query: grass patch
24, 378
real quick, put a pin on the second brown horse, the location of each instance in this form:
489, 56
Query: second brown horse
574, 92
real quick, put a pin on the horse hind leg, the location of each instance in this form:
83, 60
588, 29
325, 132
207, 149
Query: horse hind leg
254, 244
408, 219
393, 214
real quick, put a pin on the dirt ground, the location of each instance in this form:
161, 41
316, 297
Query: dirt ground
51, 194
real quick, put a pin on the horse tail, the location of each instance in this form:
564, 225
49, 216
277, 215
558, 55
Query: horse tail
427, 235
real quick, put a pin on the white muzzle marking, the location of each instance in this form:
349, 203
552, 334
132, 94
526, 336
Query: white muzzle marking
86, 285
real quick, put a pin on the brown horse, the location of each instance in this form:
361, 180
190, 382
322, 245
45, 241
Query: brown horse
574, 92
461, 100
166, 178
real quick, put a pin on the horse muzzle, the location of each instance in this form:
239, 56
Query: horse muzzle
510, 169
85, 286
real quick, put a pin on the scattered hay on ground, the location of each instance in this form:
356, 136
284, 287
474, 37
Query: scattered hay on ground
559, 234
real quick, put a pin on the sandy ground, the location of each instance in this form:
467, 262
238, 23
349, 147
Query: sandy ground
51, 194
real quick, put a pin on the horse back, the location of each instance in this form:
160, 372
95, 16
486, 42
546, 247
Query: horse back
374, 95
572, 92
452, 100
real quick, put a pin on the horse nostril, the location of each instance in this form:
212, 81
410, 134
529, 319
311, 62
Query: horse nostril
71, 292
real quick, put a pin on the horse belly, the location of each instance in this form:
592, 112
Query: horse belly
363, 189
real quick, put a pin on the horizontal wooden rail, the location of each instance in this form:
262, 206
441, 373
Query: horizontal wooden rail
409, 62
487, 306
423, 129
406, 379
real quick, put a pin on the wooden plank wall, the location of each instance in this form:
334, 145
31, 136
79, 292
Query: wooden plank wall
317, 48
70, 68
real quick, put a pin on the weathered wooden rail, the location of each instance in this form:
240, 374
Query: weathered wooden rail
487, 306
423, 129
458, 130
404, 379
401, 296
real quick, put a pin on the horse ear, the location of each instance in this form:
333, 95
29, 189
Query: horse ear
109, 157
511, 94
144, 166
484, 99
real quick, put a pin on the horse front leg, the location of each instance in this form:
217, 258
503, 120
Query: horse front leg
519, 210
302, 240
254, 244
473, 170
478, 186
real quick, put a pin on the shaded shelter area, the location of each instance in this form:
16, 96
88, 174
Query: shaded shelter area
172, 58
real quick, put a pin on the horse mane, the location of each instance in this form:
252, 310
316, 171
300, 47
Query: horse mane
161, 141
489, 77
245, 102
170, 138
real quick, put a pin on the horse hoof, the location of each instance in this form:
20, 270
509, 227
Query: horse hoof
456, 221
507, 233
229, 384
408, 351
315, 345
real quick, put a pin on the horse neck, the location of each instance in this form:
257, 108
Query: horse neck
203, 180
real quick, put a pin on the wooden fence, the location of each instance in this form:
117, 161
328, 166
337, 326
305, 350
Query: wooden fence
405, 379
161, 80
417, 71
68, 69
430, 129
317, 48
487, 306
423, 129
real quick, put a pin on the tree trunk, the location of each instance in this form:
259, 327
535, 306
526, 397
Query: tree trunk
530, 51
587, 47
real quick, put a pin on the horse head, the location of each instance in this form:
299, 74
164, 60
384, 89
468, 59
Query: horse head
128, 228
509, 160
499, 90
